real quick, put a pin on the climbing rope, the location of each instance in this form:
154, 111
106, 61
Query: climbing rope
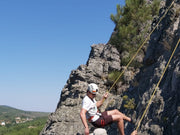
157, 86
136, 55
108, 91
139, 48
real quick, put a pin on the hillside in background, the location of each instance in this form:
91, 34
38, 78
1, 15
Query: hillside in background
28, 128
19, 122
9, 114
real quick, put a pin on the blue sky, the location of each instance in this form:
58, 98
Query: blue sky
41, 41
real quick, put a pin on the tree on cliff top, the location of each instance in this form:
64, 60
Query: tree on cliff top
131, 24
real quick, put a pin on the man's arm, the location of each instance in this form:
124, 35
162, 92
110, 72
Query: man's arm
83, 118
100, 102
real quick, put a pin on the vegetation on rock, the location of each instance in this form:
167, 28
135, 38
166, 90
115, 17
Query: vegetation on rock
132, 23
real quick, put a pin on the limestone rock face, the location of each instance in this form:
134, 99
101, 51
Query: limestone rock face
131, 96
66, 120
162, 116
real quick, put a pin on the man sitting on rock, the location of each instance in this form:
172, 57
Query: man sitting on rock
89, 111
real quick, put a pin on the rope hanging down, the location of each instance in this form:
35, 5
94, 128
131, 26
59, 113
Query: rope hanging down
139, 48
157, 85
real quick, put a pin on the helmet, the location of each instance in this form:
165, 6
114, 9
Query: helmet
93, 88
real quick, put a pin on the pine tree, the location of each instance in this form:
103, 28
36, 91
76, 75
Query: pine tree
131, 24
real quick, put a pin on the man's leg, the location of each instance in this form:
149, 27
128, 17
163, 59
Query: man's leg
116, 112
120, 122
119, 117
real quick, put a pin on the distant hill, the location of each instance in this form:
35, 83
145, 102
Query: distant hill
19, 122
8, 113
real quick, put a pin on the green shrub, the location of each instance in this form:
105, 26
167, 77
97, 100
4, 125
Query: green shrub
129, 103
112, 76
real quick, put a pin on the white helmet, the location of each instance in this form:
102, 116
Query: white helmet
93, 88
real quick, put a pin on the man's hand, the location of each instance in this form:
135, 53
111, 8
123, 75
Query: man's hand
86, 131
99, 103
105, 95
134, 132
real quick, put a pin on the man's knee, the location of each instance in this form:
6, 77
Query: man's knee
117, 117
120, 118
113, 112
116, 111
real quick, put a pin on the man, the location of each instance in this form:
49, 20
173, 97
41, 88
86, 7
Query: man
89, 111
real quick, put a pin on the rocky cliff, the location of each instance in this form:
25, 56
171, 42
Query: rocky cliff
132, 95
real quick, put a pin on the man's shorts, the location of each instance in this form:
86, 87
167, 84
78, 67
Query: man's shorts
103, 120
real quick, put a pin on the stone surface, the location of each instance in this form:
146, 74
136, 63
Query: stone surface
163, 115
99, 131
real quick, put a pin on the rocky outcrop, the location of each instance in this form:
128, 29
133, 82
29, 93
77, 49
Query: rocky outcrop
163, 116
132, 95
65, 120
